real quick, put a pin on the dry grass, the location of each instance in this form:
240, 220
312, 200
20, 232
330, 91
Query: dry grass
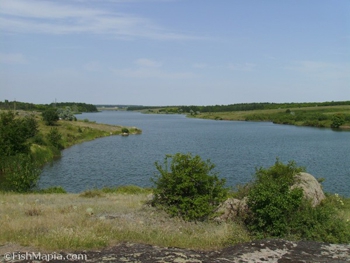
70, 221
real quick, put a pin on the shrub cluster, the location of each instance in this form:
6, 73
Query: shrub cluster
277, 210
187, 187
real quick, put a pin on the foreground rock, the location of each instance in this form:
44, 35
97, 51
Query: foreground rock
281, 251
311, 187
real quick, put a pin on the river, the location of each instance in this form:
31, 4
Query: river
236, 148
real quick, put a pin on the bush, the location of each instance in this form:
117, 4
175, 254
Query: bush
125, 130
271, 201
188, 188
55, 138
276, 210
50, 116
337, 120
19, 173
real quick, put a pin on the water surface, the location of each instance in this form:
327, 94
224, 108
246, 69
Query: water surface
236, 148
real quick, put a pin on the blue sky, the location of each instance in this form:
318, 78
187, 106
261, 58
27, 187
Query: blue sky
174, 52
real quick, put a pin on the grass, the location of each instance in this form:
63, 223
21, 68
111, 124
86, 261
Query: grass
270, 115
71, 221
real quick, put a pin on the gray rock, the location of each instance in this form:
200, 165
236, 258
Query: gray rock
311, 187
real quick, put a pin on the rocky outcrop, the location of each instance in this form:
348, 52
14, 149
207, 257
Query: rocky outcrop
275, 250
231, 209
311, 187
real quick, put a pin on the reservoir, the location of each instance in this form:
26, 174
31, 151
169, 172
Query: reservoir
236, 148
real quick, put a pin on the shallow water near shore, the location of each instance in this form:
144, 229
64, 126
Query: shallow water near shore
237, 148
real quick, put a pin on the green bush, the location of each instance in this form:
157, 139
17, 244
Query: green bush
188, 188
337, 120
272, 202
50, 116
18, 173
276, 210
55, 138
125, 130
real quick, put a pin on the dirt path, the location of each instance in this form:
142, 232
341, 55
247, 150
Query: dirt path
280, 251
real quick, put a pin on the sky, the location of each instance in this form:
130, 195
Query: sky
174, 52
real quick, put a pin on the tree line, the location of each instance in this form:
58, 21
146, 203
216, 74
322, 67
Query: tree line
243, 106
76, 107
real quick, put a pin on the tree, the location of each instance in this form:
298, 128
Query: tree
188, 188
14, 133
18, 170
50, 116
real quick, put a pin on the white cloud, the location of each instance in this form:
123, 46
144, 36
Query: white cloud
14, 58
44, 17
242, 66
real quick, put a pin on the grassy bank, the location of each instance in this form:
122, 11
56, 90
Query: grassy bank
98, 219
72, 132
308, 116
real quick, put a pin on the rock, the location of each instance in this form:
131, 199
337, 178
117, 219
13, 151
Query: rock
311, 187
231, 208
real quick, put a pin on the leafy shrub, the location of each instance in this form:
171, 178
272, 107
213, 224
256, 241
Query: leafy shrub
321, 223
50, 116
19, 173
337, 120
55, 138
271, 201
188, 188
125, 130
276, 210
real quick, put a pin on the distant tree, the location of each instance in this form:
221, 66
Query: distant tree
66, 114
50, 116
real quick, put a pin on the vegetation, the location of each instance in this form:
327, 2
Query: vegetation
67, 221
50, 116
75, 106
188, 188
27, 143
239, 107
277, 210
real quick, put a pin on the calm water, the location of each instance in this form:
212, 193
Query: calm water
236, 148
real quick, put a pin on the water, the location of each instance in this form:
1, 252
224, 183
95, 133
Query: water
236, 148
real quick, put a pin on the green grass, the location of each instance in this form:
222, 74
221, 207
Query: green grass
308, 116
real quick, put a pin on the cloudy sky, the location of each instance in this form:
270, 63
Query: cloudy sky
174, 52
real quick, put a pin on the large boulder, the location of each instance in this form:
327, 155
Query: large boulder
231, 208
311, 187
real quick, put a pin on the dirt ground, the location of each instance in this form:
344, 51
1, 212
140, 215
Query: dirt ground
280, 251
